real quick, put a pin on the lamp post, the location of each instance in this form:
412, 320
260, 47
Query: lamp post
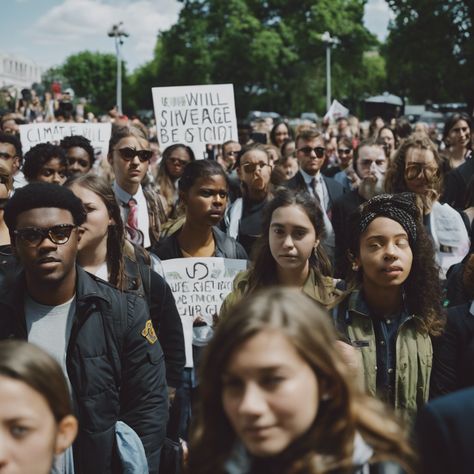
329, 41
118, 33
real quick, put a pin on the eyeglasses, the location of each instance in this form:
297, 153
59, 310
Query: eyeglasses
33, 236
6, 156
177, 161
80, 161
318, 151
128, 154
413, 170
344, 151
251, 167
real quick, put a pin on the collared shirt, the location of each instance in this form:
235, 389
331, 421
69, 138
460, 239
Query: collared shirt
143, 219
386, 331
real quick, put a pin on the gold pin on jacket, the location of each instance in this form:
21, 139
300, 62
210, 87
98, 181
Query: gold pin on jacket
149, 332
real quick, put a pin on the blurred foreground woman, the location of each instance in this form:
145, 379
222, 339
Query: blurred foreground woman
276, 397
36, 421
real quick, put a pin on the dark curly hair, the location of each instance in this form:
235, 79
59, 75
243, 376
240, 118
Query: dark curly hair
395, 176
263, 272
38, 156
80, 142
12, 140
422, 287
37, 195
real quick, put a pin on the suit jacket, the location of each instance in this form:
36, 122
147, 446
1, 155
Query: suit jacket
335, 190
445, 434
455, 184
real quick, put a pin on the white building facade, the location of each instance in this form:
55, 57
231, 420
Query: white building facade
18, 72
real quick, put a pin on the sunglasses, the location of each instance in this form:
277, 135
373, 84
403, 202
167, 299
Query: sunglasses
33, 236
413, 170
128, 154
6, 156
177, 161
344, 151
318, 151
80, 161
251, 167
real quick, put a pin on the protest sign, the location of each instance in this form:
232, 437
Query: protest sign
337, 110
195, 116
54, 132
199, 286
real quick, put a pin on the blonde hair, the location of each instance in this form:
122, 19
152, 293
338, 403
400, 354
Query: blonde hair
329, 442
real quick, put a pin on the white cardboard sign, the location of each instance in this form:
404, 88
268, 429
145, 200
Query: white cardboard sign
195, 115
199, 286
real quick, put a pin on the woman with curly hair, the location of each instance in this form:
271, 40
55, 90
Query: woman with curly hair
393, 305
289, 251
278, 398
416, 167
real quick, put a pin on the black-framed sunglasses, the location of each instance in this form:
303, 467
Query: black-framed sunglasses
128, 154
318, 151
344, 151
33, 236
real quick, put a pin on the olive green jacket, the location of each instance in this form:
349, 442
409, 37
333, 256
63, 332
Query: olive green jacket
326, 297
414, 355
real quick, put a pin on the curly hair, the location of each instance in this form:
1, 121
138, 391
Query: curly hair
263, 272
80, 142
38, 156
327, 446
422, 287
395, 177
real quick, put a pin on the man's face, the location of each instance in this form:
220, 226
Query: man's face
46, 262
371, 162
230, 153
10, 127
310, 155
8, 156
255, 170
78, 161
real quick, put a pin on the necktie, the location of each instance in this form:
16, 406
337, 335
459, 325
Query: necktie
313, 186
134, 233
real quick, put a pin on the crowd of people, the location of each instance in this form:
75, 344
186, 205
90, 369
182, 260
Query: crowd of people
355, 311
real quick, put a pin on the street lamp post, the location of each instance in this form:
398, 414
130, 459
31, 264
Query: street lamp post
118, 33
329, 41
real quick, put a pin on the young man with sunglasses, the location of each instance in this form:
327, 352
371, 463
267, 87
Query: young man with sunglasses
102, 338
310, 152
130, 157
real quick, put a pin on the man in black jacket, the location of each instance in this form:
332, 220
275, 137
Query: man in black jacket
103, 339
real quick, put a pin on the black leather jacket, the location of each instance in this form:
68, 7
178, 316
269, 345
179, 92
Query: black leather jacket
115, 372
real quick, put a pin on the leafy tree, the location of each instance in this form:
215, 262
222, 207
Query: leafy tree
270, 50
430, 50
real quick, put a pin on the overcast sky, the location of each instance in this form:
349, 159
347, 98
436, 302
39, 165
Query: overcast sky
47, 31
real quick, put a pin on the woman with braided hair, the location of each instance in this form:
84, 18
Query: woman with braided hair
393, 305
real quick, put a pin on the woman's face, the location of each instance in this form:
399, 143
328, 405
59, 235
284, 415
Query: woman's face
53, 171
206, 200
269, 393
460, 134
385, 257
96, 226
176, 162
281, 134
388, 140
292, 238
421, 170
28, 431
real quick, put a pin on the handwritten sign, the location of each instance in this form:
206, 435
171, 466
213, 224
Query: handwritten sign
195, 115
199, 286
337, 110
54, 132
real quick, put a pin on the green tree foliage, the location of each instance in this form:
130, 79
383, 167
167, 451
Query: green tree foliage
430, 50
270, 50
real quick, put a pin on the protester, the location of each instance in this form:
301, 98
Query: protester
288, 165
369, 164
203, 192
243, 219
102, 338
289, 251
104, 252
36, 417
390, 144
279, 133
393, 303
344, 172
174, 160
457, 138
277, 397
79, 154
141, 209
416, 168
45, 163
